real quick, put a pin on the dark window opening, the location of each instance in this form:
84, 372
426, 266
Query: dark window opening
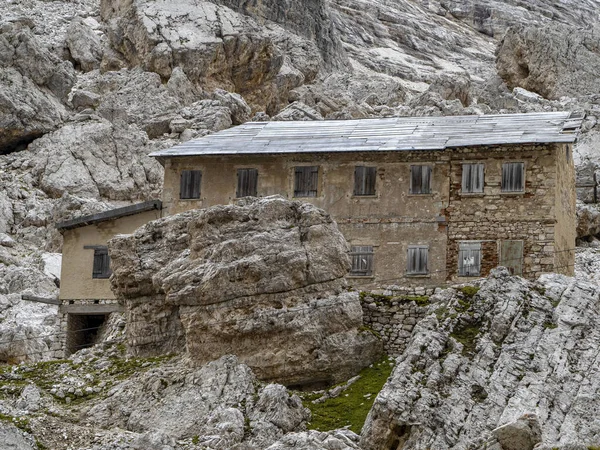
364, 180
469, 259
513, 177
472, 177
511, 256
189, 187
306, 181
420, 180
247, 183
362, 260
417, 260
83, 331
101, 263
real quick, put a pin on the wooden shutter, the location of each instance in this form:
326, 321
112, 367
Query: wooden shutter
472, 178
101, 267
511, 256
306, 181
189, 186
513, 177
364, 180
420, 179
469, 259
247, 185
362, 260
417, 261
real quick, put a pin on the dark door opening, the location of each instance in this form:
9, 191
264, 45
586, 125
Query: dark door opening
83, 331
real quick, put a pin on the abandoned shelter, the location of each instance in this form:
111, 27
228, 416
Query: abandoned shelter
422, 201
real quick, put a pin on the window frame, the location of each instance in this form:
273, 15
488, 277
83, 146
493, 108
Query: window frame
358, 251
193, 191
363, 174
503, 187
250, 172
413, 188
306, 171
420, 248
469, 247
467, 188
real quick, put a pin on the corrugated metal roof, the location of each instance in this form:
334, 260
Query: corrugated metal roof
389, 134
111, 214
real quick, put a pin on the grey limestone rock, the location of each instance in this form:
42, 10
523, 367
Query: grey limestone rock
14, 439
261, 280
485, 357
84, 45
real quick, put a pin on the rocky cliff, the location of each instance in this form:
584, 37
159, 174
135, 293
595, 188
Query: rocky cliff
263, 280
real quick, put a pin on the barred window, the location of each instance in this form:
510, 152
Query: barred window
362, 260
101, 263
472, 177
420, 180
247, 182
513, 177
306, 181
189, 187
417, 260
469, 259
364, 180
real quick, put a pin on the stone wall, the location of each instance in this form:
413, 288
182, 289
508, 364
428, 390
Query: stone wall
393, 317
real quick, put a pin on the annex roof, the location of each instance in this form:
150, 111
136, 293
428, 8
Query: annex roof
387, 134
111, 214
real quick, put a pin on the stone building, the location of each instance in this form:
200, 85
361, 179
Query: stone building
421, 200
86, 298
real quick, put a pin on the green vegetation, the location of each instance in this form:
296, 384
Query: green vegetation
466, 334
352, 405
19, 422
550, 325
469, 291
368, 329
420, 300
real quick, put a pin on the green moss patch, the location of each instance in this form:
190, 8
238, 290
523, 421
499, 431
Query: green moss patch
352, 406
466, 334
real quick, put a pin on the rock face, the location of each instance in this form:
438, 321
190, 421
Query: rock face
212, 402
263, 280
554, 60
484, 358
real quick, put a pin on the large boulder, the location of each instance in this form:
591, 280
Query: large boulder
263, 280
487, 355
35, 83
554, 60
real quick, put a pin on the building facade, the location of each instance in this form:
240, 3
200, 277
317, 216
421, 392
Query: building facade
421, 201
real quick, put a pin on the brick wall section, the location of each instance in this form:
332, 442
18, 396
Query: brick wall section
393, 318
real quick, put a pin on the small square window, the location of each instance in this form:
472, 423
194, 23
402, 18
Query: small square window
189, 187
472, 178
420, 180
364, 180
306, 181
362, 260
513, 177
469, 259
101, 263
247, 183
417, 260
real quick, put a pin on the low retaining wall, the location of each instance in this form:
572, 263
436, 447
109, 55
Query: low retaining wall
393, 317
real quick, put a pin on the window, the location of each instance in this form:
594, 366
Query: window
469, 259
513, 177
190, 184
420, 180
511, 256
416, 262
247, 182
362, 261
472, 177
306, 181
101, 263
364, 180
